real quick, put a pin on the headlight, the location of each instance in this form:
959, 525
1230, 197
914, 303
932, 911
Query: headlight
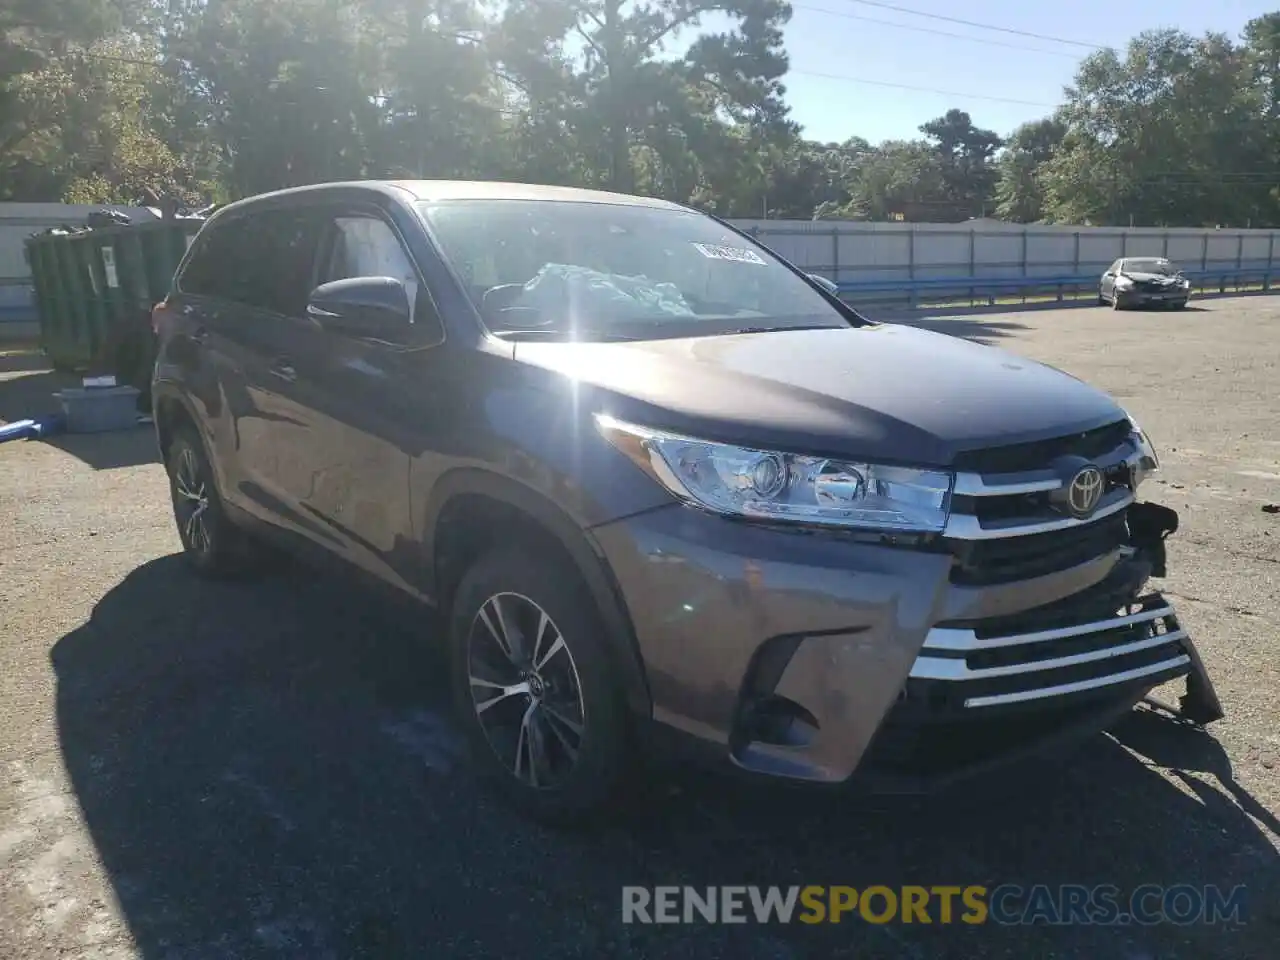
1147, 462
767, 485
1123, 283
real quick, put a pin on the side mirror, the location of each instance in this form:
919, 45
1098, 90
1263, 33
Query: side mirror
372, 307
825, 284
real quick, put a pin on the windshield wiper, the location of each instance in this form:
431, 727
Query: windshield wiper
784, 328
581, 336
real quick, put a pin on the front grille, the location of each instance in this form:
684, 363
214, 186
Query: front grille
988, 562
1016, 458
1030, 507
1010, 521
1065, 666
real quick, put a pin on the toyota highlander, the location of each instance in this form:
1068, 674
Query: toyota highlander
664, 487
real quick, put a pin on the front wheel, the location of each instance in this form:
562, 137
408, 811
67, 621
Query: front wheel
534, 686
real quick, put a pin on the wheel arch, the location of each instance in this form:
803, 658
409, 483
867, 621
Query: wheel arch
469, 507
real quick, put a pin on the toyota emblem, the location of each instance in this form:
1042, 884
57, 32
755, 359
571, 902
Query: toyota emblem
1084, 492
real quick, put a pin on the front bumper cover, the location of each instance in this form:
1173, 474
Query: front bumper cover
817, 658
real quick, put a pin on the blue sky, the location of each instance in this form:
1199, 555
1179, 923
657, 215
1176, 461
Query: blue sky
1011, 67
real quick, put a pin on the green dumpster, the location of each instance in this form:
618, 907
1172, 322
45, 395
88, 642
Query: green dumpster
94, 292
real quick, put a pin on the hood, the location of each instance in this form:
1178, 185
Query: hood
1150, 277
883, 392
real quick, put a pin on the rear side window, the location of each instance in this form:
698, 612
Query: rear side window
261, 260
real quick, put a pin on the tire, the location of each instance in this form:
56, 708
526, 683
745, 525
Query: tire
1179, 304
1102, 300
581, 743
211, 543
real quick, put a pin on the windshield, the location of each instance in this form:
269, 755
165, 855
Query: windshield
1152, 265
600, 271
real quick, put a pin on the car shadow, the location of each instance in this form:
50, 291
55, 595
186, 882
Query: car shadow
269, 769
107, 451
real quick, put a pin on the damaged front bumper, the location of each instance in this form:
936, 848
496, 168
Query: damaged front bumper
985, 692
817, 658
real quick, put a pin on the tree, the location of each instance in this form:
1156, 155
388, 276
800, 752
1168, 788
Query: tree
965, 152
90, 133
35, 37
900, 179
284, 87
627, 88
1019, 194
1168, 135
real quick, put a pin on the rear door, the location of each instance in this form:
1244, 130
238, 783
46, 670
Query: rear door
253, 279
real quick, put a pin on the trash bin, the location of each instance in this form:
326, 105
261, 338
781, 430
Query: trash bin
94, 290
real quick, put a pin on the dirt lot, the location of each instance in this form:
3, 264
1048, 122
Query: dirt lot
267, 770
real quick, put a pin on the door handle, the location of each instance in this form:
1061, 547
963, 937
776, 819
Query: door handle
283, 369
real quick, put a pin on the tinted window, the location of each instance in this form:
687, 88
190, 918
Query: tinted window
630, 270
260, 259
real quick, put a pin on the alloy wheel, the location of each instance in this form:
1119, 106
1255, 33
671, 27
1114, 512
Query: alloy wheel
525, 690
191, 502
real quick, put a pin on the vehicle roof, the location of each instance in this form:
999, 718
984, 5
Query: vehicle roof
459, 190
492, 190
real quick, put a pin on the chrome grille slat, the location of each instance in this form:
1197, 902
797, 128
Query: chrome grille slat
1037, 664
1034, 481
966, 526
948, 638
1080, 686
937, 668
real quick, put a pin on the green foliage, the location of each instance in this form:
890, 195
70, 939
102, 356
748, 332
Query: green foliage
116, 100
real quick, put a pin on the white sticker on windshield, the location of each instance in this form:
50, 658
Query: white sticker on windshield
714, 251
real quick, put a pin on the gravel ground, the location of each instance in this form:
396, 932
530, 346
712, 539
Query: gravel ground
268, 770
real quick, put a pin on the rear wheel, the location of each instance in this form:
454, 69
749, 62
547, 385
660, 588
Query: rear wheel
534, 686
211, 543
1102, 299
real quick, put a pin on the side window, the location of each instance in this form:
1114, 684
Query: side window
366, 246
210, 262
262, 260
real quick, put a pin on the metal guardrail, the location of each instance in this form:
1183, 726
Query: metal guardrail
993, 288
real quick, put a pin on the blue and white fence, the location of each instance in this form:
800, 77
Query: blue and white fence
985, 260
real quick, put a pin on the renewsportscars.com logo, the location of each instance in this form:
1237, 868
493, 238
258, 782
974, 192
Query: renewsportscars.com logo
1007, 904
